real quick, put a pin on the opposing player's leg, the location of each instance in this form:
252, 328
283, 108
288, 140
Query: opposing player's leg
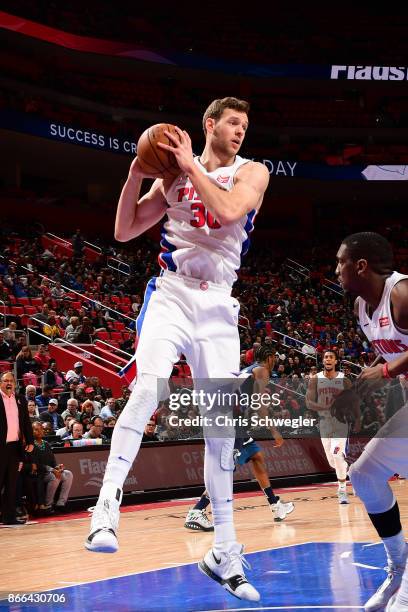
369, 476
197, 519
279, 508
157, 351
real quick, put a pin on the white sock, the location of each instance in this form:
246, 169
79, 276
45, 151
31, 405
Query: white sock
396, 549
342, 486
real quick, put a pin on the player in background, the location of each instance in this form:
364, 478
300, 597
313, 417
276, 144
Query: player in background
365, 269
189, 310
247, 450
321, 392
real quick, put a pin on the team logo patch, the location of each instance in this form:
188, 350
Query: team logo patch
384, 321
222, 179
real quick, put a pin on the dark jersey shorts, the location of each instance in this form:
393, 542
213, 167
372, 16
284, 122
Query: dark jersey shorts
244, 450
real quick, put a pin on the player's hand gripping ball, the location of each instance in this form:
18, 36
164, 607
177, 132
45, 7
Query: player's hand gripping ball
152, 159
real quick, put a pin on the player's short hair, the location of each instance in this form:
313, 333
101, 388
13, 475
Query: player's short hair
330, 351
374, 248
217, 107
264, 351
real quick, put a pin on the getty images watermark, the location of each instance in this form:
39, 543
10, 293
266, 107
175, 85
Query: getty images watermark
221, 407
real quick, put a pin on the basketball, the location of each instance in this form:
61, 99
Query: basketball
152, 158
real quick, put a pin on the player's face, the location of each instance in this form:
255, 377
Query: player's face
346, 270
229, 132
329, 362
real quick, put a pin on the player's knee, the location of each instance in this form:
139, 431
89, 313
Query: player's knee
221, 451
363, 481
142, 402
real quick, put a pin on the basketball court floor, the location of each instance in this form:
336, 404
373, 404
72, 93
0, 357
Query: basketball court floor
322, 557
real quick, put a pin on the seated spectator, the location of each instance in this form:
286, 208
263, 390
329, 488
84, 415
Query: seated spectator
72, 409
77, 431
30, 392
76, 373
129, 345
25, 362
108, 428
85, 420
95, 430
51, 415
48, 430
149, 434
51, 376
32, 410
88, 408
43, 399
5, 349
51, 329
109, 409
87, 333
73, 330
43, 314
90, 396
42, 357
65, 432
57, 292
54, 475
9, 333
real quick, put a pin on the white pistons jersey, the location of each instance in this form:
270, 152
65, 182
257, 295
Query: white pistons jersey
386, 339
327, 389
193, 243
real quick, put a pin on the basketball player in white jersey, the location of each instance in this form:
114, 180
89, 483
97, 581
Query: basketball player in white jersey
365, 268
188, 309
321, 391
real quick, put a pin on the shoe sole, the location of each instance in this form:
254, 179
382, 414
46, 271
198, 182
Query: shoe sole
197, 527
101, 548
204, 569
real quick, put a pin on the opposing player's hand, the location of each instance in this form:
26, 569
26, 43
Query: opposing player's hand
181, 149
342, 406
370, 380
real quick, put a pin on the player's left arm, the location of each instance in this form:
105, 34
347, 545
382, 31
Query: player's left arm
251, 182
399, 304
261, 376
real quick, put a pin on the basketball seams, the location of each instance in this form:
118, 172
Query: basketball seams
156, 161
154, 149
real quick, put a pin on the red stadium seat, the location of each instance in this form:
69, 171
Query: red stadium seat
116, 335
5, 366
103, 335
118, 325
37, 301
23, 301
17, 310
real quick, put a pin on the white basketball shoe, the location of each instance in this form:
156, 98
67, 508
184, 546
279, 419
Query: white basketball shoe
105, 522
281, 509
386, 591
226, 568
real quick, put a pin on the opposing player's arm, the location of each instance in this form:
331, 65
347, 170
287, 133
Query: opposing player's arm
399, 304
227, 207
135, 215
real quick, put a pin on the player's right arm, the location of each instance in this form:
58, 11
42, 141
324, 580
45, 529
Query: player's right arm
137, 214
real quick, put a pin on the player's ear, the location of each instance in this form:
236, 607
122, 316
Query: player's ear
210, 124
361, 266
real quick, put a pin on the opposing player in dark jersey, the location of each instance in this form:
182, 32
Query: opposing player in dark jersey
247, 450
365, 268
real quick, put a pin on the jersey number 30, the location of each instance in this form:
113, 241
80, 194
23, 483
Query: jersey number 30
202, 217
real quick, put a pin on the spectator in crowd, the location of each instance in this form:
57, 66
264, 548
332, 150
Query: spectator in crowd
85, 420
76, 373
72, 409
30, 392
65, 432
109, 409
15, 437
9, 333
87, 332
57, 292
88, 408
78, 244
48, 430
51, 376
25, 363
32, 410
72, 330
77, 431
51, 415
128, 345
90, 396
5, 349
149, 434
51, 329
109, 425
54, 474
43, 399
43, 314
95, 430
41, 357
